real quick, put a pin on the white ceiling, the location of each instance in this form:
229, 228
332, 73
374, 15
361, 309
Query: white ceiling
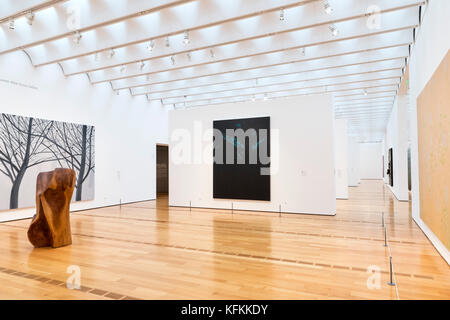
238, 50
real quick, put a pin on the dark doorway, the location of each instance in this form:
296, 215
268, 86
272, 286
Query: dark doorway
162, 170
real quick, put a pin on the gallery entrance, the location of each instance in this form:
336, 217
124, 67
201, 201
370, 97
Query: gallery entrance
162, 171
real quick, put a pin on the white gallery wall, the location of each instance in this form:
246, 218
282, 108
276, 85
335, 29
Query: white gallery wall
354, 177
371, 161
302, 155
431, 46
127, 128
341, 158
396, 137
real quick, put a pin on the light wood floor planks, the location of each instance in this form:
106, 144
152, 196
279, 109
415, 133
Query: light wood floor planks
150, 251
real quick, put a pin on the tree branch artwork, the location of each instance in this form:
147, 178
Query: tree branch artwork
26, 143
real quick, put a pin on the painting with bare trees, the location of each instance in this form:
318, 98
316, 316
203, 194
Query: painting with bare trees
29, 146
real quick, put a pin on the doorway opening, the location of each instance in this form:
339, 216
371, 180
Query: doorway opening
162, 171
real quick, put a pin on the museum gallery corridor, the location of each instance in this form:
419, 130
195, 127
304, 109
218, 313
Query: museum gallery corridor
150, 251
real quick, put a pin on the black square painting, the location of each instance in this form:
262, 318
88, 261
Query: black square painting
242, 159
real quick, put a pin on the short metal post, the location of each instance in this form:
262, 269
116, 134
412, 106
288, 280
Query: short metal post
385, 237
382, 220
120, 203
190, 206
391, 282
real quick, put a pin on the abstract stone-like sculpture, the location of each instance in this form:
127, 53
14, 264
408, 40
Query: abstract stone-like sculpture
50, 226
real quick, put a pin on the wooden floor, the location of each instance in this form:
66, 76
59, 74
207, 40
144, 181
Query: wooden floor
149, 251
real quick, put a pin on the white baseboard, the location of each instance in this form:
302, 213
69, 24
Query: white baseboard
440, 247
395, 195
22, 214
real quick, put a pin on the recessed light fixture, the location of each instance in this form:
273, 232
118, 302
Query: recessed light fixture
365, 92
167, 42
327, 7
111, 53
151, 45
282, 16
302, 52
141, 65
334, 30
188, 55
172, 58
186, 39
12, 24
30, 17
77, 37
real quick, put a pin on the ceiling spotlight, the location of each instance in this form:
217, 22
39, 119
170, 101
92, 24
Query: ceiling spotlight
327, 7
141, 65
282, 16
30, 17
365, 92
186, 39
111, 53
123, 68
302, 52
167, 42
189, 56
211, 52
77, 37
334, 30
172, 58
12, 24
151, 45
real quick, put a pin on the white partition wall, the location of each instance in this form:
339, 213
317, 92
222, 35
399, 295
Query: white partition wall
126, 128
353, 162
397, 139
371, 161
302, 155
341, 158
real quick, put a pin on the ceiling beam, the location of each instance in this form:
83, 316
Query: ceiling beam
313, 88
206, 15
224, 50
294, 86
387, 43
269, 77
14, 9
307, 80
125, 13
254, 29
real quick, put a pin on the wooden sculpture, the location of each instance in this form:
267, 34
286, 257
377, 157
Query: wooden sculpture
50, 226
